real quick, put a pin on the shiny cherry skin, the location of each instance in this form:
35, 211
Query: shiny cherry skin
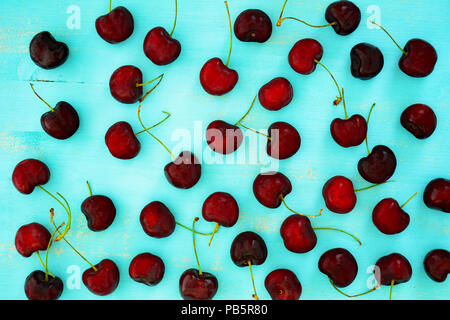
29, 174
116, 26
46, 52
122, 84
394, 267
223, 137
31, 238
184, 172
37, 288
248, 246
349, 132
276, 94
121, 141
339, 194
298, 235
62, 122
222, 208
147, 268
285, 140
420, 59
339, 265
99, 211
366, 61
253, 25
194, 286
389, 217
437, 194
437, 264
268, 187
157, 220
302, 55
103, 281
379, 165
216, 78
160, 47
346, 15
283, 284
420, 120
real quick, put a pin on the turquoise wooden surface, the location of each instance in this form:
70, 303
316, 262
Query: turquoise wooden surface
202, 30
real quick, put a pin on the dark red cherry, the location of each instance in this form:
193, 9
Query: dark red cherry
283, 284
29, 174
297, 233
62, 122
253, 25
339, 194
31, 238
121, 141
103, 281
147, 268
160, 47
99, 211
437, 264
216, 78
184, 172
223, 137
393, 267
157, 220
419, 60
284, 140
437, 194
349, 132
346, 15
248, 246
276, 94
122, 84
339, 265
46, 52
303, 55
116, 26
194, 286
389, 217
379, 165
222, 208
269, 186
420, 120
366, 61
39, 288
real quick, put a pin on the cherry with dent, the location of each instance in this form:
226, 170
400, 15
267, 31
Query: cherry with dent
367, 61
283, 284
284, 140
437, 264
253, 25
115, 26
147, 268
393, 269
30, 238
437, 194
46, 52
276, 94
99, 211
340, 266
420, 120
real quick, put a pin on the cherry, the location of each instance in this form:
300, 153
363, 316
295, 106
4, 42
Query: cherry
147, 268
223, 137
160, 47
253, 25
99, 210
276, 94
420, 120
379, 165
29, 174
437, 194
437, 264
248, 249
339, 265
115, 26
284, 140
346, 16
283, 284
46, 52
298, 234
195, 284
103, 278
121, 141
184, 172
366, 61
157, 220
217, 78
304, 55
349, 132
39, 287
31, 238
339, 194
393, 269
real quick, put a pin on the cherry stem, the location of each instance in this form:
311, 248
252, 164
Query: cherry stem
48, 249
415, 194
403, 51
245, 115
368, 118
345, 107
197, 232
340, 98
280, 20
154, 137
231, 33
334, 229
89, 187
195, 249
43, 265
175, 20
373, 186
31, 85
216, 228
109, 9
390, 291
150, 81
155, 125
356, 295
306, 215
255, 295
150, 91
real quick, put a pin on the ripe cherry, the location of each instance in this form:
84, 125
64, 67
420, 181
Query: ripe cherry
253, 25
28, 174
284, 140
46, 52
115, 26
276, 94
39, 287
420, 120
349, 132
31, 238
283, 284
340, 266
184, 172
437, 194
157, 220
437, 264
121, 141
379, 165
103, 278
339, 194
223, 137
366, 61
147, 268
393, 269
99, 210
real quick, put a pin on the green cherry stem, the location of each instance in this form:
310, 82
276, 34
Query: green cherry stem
306, 215
255, 295
195, 249
248, 128
231, 33
175, 19
280, 19
334, 229
43, 265
216, 228
151, 90
415, 194
340, 97
390, 291
155, 125
356, 295
109, 8
31, 85
368, 118
373, 186
48, 249
197, 232
89, 187
403, 51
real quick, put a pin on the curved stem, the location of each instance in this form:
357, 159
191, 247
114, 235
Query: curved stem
109, 9
255, 131
197, 232
175, 19
255, 295
338, 99
373, 186
48, 249
306, 215
150, 91
231, 33
43, 265
356, 295
326, 228
280, 19
31, 85
403, 51
415, 194
155, 125
89, 187
368, 118
248, 111
195, 249
390, 291
216, 228
150, 81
